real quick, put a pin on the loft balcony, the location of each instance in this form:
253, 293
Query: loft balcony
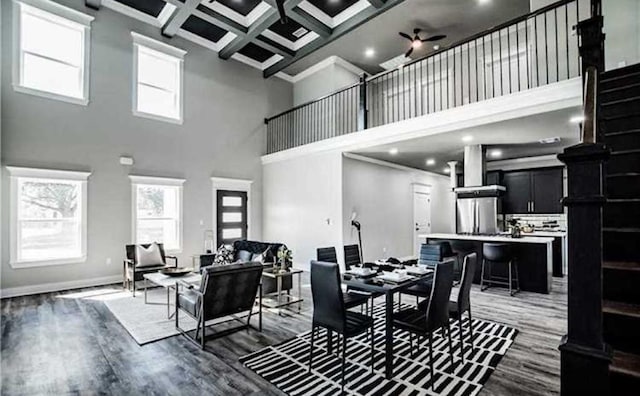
534, 50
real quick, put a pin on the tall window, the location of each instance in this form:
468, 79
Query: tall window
158, 79
48, 217
51, 55
157, 211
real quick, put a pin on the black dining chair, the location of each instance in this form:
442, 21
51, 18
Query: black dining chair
351, 256
430, 255
329, 311
352, 298
463, 302
436, 315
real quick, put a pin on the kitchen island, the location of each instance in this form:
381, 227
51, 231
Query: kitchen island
534, 256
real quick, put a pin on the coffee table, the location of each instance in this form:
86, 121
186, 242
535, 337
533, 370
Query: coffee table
168, 282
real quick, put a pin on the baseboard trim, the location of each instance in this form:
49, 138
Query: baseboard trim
58, 286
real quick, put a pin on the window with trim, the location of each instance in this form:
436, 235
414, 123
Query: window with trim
158, 79
48, 217
51, 51
157, 211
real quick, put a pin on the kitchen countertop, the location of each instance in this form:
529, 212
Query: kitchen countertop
496, 238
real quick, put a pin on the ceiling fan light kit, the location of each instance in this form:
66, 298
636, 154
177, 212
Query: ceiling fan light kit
416, 41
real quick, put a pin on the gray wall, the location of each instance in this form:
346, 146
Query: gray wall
323, 82
225, 103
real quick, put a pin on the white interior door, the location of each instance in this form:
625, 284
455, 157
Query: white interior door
421, 218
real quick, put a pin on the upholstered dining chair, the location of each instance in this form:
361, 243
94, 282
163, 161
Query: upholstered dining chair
436, 315
329, 311
351, 298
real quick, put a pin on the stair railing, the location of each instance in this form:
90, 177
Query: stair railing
584, 356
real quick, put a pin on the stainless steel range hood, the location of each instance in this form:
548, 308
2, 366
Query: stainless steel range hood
475, 175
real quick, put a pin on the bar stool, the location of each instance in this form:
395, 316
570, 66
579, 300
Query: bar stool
446, 252
499, 253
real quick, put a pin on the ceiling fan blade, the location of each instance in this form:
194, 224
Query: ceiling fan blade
283, 16
405, 36
408, 52
435, 38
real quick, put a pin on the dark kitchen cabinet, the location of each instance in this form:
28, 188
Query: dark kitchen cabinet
518, 196
546, 190
533, 191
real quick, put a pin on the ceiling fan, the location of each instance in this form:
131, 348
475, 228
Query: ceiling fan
416, 41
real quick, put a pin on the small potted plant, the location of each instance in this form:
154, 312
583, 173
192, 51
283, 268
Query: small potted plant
285, 257
516, 232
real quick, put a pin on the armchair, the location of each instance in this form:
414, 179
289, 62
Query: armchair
225, 290
132, 273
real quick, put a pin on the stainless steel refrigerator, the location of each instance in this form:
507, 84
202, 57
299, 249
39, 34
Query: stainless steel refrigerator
477, 215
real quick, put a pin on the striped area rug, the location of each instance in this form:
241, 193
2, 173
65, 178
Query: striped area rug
286, 365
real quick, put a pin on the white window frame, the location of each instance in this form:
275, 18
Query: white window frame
16, 173
223, 183
161, 182
170, 51
69, 16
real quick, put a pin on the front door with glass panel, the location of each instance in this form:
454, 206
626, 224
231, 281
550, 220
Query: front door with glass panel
231, 216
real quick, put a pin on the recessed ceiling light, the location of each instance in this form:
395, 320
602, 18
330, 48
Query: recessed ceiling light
436, 47
369, 52
576, 119
446, 170
467, 138
495, 153
431, 162
484, 1
549, 140
393, 151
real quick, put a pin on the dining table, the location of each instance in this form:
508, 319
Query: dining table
374, 285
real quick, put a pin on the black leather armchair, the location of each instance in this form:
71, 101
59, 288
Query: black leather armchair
225, 290
131, 274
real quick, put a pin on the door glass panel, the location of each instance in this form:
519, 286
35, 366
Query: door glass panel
232, 217
232, 201
229, 233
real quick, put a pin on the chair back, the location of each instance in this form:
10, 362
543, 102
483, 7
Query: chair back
468, 272
351, 256
430, 254
230, 289
438, 308
131, 251
328, 302
445, 247
327, 254
498, 252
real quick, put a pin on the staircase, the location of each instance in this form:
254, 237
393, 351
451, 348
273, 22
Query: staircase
620, 124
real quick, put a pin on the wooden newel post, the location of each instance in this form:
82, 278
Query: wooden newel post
584, 357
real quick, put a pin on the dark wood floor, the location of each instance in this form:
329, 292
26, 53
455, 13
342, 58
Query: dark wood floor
61, 343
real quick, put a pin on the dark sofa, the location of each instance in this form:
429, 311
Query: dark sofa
256, 247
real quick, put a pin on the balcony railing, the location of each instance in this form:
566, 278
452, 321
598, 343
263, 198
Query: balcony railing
527, 52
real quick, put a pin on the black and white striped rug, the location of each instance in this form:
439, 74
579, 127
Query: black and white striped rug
286, 365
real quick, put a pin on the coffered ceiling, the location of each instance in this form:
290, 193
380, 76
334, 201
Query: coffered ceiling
252, 32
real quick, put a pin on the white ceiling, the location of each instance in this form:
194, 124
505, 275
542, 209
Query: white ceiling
515, 138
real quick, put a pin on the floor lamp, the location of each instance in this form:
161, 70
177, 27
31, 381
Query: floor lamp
356, 224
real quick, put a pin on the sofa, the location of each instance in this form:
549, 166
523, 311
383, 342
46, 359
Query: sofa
256, 247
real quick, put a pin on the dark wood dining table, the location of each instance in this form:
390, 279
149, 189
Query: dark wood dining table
388, 289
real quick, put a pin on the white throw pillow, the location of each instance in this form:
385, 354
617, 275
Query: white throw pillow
149, 257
